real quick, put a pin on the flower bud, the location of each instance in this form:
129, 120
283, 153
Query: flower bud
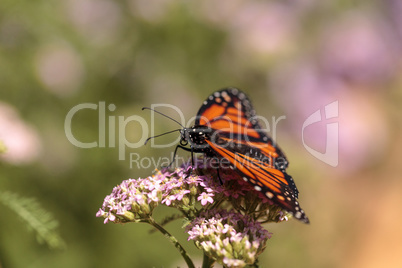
129, 216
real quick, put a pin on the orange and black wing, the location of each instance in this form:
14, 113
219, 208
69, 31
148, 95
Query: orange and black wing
238, 137
264, 177
230, 114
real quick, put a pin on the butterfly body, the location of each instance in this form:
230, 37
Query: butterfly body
196, 136
226, 127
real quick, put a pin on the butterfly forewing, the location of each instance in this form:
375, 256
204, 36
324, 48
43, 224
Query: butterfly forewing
230, 112
238, 137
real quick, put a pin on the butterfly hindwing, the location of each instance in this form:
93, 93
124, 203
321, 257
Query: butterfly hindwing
292, 184
273, 183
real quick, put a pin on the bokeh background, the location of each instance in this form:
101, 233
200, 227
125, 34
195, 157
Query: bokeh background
291, 57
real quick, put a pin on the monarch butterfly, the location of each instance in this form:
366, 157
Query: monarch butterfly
226, 126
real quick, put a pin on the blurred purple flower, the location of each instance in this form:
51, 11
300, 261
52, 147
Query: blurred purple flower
257, 28
362, 130
60, 69
98, 20
21, 141
394, 8
359, 48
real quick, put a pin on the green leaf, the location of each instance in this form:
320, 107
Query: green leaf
37, 219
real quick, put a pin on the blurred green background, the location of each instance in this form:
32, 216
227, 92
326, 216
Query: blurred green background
291, 57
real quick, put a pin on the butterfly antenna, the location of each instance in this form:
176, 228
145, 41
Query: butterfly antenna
160, 135
147, 108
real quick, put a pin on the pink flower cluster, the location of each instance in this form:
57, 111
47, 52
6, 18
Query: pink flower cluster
134, 200
230, 238
224, 212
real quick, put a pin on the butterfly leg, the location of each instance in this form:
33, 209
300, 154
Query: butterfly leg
175, 151
219, 177
192, 156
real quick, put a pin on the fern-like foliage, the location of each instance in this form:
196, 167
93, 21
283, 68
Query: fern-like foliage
37, 219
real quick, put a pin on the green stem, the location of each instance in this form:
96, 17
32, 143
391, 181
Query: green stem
174, 241
207, 262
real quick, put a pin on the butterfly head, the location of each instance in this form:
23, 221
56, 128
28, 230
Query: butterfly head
196, 136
